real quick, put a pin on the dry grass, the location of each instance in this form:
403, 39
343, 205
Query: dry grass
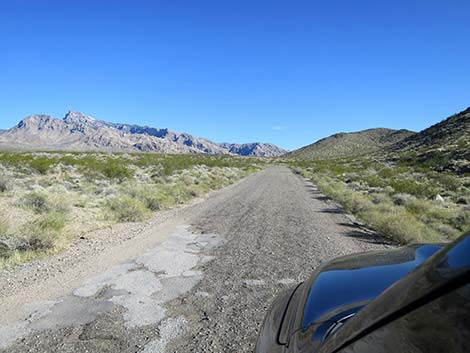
49, 199
410, 220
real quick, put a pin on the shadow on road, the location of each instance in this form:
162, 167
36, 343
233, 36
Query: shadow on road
359, 233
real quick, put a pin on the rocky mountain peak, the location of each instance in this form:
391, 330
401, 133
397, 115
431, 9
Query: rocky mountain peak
79, 132
74, 117
34, 120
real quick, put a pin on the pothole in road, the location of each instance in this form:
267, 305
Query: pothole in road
141, 287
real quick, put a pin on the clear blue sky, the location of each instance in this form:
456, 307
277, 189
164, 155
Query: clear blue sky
287, 72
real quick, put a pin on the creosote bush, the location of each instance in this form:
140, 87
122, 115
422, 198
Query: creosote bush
124, 208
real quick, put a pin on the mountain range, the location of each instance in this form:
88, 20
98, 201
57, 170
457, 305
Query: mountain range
79, 132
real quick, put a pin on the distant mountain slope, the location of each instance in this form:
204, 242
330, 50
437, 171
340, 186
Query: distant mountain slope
79, 132
446, 134
445, 145
351, 144
254, 149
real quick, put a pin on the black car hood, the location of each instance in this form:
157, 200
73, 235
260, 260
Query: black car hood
353, 281
443, 272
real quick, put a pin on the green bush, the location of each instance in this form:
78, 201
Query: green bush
413, 187
398, 225
375, 181
41, 164
115, 170
402, 224
127, 209
448, 182
42, 233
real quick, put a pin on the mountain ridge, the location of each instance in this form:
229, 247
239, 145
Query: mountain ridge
79, 132
348, 144
444, 146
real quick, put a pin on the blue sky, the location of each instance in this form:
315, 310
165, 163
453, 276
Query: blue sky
286, 72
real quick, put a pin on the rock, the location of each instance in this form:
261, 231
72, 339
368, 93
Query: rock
439, 198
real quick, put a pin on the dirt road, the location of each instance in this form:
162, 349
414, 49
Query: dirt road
199, 281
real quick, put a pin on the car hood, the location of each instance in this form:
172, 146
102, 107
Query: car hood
343, 287
353, 281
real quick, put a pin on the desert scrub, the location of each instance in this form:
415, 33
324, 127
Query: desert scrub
59, 194
43, 233
397, 224
135, 202
38, 237
4, 248
42, 203
409, 220
124, 208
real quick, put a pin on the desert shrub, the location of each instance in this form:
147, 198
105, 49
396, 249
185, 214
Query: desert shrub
4, 184
355, 203
380, 198
53, 221
152, 198
398, 225
462, 220
124, 208
114, 170
36, 201
42, 233
402, 199
445, 231
180, 192
448, 182
41, 164
4, 246
417, 206
375, 180
435, 159
41, 203
413, 187
154, 201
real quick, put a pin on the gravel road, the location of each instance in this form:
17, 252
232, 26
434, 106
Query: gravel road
199, 281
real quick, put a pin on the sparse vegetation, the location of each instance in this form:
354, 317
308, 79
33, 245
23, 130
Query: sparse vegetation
124, 208
410, 187
402, 202
58, 195
351, 144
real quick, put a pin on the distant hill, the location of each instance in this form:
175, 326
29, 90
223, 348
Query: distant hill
78, 132
445, 145
351, 144
446, 134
